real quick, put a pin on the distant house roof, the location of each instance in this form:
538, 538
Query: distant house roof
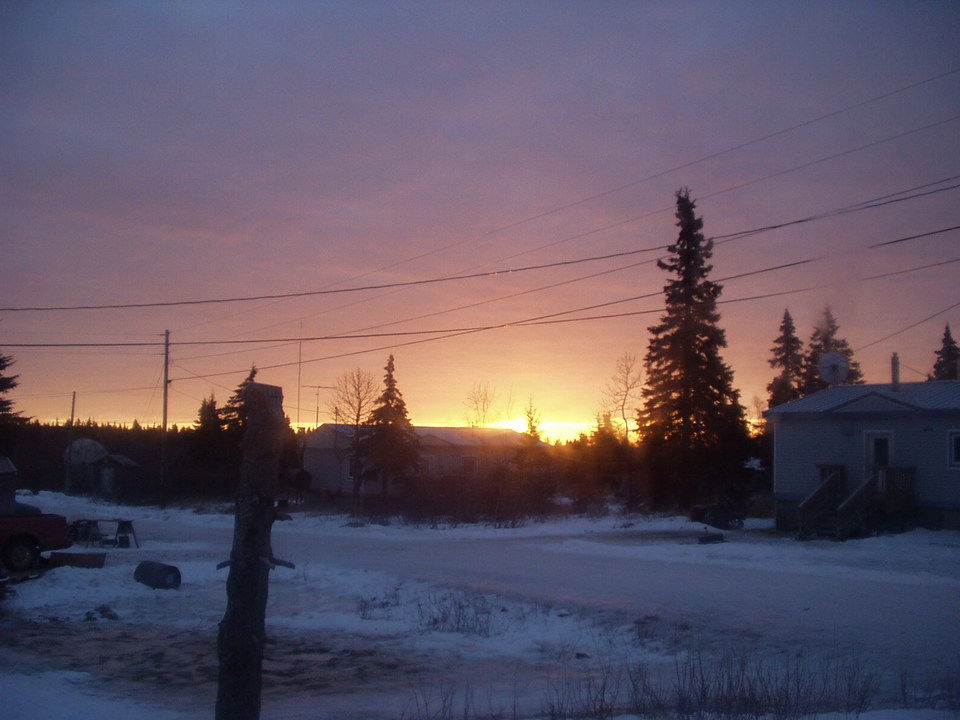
468, 436
938, 396
430, 436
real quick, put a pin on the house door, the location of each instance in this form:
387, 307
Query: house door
879, 454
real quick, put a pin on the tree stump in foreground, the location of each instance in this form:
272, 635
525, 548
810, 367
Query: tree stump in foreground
241, 636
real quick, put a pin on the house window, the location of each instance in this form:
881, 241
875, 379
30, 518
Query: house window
954, 436
469, 465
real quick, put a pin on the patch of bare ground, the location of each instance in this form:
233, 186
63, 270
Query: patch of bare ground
179, 667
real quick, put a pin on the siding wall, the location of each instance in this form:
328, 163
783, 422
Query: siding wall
329, 470
802, 443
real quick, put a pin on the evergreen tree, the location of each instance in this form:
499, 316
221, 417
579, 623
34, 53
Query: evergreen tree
788, 356
823, 340
532, 416
233, 415
947, 366
212, 447
692, 424
208, 420
7, 383
390, 445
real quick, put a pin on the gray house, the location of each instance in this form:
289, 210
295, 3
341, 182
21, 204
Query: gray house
455, 452
856, 457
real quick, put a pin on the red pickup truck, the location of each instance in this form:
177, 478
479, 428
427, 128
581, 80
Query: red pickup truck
24, 536
25, 532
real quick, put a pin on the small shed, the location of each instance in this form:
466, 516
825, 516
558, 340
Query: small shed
856, 457
91, 470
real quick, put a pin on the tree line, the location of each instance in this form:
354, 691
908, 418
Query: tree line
673, 433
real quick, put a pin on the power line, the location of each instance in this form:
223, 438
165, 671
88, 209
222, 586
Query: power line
356, 336
913, 237
550, 319
682, 166
908, 327
552, 211
309, 293
856, 207
877, 202
720, 153
834, 156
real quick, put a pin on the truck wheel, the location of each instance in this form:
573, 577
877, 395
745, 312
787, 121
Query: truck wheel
20, 554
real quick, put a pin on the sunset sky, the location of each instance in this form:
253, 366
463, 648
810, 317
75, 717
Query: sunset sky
364, 156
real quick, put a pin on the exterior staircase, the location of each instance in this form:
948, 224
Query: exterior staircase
830, 512
817, 515
827, 526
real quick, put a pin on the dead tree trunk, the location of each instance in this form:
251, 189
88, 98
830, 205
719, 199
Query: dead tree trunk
241, 637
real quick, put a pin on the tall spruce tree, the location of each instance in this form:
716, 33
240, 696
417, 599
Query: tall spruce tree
390, 446
788, 357
234, 413
823, 340
692, 424
208, 419
947, 365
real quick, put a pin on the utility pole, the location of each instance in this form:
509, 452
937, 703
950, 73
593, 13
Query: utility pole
299, 367
163, 427
68, 479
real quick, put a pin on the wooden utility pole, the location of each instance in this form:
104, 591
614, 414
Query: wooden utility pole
163, 426
241, 637
68, 477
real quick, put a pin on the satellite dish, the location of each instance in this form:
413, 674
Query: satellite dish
833, 368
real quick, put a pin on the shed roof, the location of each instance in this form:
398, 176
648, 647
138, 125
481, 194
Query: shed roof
431, 436
942, 395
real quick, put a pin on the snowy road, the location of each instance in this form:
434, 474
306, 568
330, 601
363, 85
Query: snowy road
732, 592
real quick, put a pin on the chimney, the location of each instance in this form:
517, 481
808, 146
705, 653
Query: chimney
895, 373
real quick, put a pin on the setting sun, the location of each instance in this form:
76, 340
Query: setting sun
550, 431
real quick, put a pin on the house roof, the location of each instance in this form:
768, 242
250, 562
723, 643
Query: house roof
121, 460
938, 396
468, 436
431, 436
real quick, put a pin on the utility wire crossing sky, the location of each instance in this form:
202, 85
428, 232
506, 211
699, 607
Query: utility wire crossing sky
310, 187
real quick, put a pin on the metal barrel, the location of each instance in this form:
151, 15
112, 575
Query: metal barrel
157, 575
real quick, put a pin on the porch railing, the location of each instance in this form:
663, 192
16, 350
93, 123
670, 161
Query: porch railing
822, 500
857, 509
896, 489
888, 494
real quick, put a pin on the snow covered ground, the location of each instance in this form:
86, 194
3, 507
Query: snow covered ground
549, 619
